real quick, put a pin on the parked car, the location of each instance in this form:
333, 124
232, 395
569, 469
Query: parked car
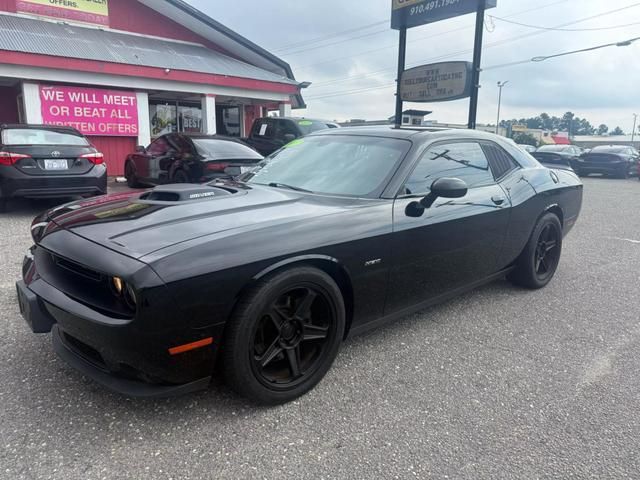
40, 161
527, 148
615, 160
144, 292
272, 133
559, 156
186, 158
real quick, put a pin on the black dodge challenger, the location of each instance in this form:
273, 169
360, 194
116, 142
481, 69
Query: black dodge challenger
337, 233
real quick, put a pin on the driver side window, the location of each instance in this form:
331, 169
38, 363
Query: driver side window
158, 147
463, 160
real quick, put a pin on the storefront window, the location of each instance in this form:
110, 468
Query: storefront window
163, 118
190, 119
169, 117
228, 120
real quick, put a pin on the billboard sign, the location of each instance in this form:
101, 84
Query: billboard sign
86, 11
438, 82
92, 111
412, 13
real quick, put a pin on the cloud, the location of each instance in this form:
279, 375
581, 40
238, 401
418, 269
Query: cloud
601, 85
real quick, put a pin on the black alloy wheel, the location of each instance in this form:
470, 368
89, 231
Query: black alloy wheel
291, 337
547, 253
539, 260
130, 175
284, 335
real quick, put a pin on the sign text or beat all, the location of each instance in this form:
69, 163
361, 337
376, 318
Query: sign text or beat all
92, 111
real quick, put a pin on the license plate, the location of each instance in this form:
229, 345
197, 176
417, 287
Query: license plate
55, 164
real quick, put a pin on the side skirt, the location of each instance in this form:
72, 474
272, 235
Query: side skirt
360, 329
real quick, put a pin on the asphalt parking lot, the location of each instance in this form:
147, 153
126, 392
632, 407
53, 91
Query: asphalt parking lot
502, 383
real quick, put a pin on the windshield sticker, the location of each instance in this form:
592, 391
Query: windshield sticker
294, 143
305, 123
263, 129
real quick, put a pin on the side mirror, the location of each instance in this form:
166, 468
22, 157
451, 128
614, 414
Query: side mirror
141, 149
289, 137
441, 188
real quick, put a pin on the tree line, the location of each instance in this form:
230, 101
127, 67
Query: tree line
569, 122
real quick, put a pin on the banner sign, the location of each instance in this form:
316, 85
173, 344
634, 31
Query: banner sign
86, 11
438, 82
411, 13
92, 111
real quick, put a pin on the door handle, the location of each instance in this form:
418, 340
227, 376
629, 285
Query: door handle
498, 200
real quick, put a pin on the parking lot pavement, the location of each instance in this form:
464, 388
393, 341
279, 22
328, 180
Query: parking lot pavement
501, 383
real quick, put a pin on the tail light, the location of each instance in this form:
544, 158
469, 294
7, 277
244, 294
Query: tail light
216, 167
95, 158
8, 158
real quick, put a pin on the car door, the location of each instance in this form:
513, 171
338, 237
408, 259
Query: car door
455, 242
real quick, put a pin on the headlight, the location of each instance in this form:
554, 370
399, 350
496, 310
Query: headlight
124, 291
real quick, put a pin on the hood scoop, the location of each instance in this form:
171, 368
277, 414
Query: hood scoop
184, 192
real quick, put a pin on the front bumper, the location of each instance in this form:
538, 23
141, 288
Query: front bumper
14, 183
123, 356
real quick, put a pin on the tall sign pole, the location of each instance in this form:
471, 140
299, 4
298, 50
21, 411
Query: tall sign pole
477, 62
402, 56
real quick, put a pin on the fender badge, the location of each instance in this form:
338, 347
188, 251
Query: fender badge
371, 263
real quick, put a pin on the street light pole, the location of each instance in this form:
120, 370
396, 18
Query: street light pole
500, 85
633, 132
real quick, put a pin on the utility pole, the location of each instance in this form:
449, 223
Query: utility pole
500, 85
633, 132
477, 61
402, 55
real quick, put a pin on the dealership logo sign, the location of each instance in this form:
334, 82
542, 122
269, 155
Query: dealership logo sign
411, 13
438, 82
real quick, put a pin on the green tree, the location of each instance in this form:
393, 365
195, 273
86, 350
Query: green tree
603, 129
617, 131
525, 139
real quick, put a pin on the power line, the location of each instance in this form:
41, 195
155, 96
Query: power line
565, 29
497, 43
366, 52
623, 43
329, 37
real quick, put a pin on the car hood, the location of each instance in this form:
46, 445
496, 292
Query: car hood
136, 227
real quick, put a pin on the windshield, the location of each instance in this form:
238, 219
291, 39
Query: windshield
310, 126
33, 136
334, 164
224, 150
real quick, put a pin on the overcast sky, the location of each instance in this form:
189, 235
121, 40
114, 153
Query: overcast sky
603, 86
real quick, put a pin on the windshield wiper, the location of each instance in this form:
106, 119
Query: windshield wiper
290, 187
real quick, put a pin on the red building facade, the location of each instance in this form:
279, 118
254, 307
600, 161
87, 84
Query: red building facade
126, 71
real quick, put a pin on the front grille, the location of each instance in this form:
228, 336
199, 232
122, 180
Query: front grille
77, 269
85, 285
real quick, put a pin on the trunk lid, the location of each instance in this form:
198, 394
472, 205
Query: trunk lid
52, 160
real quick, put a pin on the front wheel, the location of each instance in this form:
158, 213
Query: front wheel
284, 335
130, 176
539, 261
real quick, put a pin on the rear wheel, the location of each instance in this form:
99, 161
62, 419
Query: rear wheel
284, 336
539, 261
130, 175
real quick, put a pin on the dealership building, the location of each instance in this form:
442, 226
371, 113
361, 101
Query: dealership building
127, 71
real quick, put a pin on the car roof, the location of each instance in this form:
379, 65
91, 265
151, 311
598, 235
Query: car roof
53, 128
204, 136
414, 133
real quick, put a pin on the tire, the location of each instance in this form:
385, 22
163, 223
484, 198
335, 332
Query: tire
539, 260
130, 175
180, 176
294, 317
624, 174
